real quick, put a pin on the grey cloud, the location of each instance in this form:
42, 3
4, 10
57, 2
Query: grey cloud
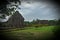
43, 1
37, 0
36, 13
46, 1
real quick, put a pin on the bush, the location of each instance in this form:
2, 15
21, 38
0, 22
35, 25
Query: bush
57, 31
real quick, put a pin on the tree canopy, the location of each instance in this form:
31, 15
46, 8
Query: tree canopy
8, 7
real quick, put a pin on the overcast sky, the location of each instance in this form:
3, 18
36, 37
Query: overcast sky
36, 9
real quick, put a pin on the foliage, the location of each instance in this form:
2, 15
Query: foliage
8, 11
57, 30
40, 23
52, 22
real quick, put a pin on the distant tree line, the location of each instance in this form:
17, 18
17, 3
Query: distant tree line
36, 23
42, 22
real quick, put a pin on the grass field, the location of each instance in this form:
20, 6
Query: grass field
30, 33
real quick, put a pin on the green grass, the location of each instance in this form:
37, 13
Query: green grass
30, 33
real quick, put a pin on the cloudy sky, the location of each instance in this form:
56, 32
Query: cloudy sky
37, 9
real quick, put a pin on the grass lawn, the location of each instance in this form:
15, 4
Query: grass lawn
29, 33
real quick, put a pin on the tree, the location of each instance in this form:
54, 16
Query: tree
8, 8
57, 30
33, 22
52, 22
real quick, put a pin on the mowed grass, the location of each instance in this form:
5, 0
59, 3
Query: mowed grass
30, 33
